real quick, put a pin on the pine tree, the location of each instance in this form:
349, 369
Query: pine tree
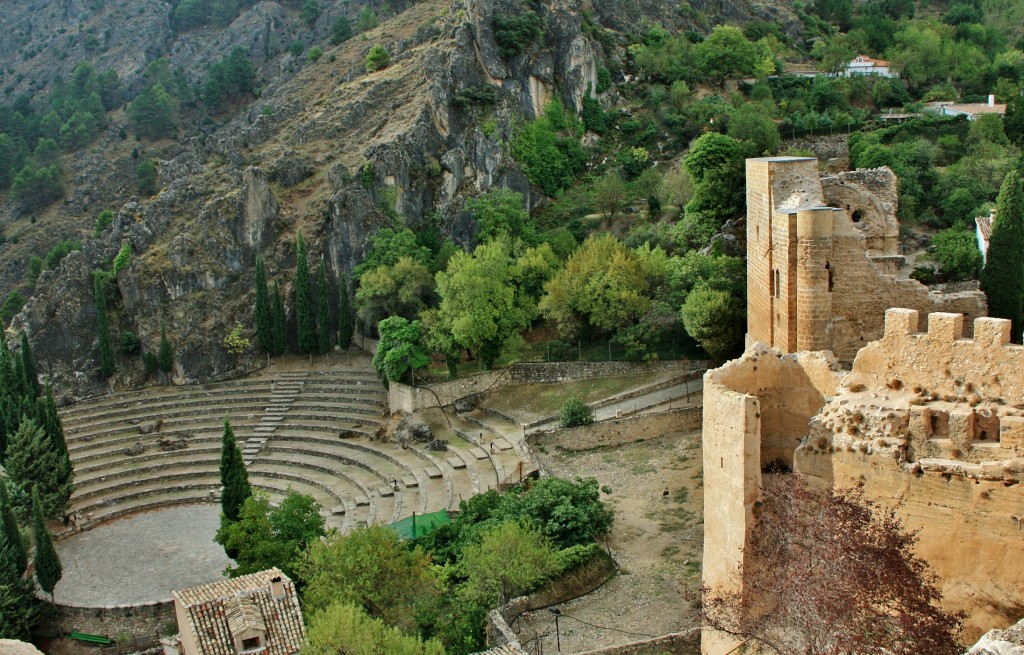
18, 604
103, 329
234, 479
32, 461
261, 313
10, 536
324, 315
344, 316
31, 377
52, 426
305, 319
1002, 279
279, 323
166, 355
48, 568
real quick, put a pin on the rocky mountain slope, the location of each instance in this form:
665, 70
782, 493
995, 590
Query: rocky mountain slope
327, 148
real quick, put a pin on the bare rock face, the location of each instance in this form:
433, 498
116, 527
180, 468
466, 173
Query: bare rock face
1001, 642
15, 647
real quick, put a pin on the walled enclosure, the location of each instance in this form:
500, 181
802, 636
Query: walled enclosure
823, 258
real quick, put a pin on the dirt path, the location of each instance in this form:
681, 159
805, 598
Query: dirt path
657, 541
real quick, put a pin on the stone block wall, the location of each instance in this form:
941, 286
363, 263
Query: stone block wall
677, 642
616, 432
146, 622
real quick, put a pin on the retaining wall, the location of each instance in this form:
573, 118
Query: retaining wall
145, 622
678, 643
616, 432
404, 398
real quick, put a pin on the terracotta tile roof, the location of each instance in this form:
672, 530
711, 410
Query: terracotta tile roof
984, 224
220, 610
864, 59
976, 108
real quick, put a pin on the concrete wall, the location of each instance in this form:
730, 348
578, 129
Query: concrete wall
146, 622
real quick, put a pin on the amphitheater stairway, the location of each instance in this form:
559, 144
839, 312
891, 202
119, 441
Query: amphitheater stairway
282, 394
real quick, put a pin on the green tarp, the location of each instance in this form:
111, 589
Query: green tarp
418, 525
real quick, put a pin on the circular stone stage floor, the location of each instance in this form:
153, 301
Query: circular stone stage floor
142, 558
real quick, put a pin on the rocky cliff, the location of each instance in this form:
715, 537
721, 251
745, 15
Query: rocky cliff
326, 148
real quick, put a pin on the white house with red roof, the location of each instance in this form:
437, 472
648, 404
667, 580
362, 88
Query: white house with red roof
864, 65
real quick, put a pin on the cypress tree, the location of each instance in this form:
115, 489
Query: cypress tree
31, 377
166, 355
324, 315
279, 323
261, 312
305, 319
47, 564
233, 477
33, 462
54, 429
344, 316
10, 536
1002, 279
103, 329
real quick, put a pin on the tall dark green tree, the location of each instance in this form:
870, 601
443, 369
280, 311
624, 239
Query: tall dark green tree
344, 315
47, 564
279, 322
31, 377
233, 477
261, 313
165, 354
103, 328
1002, 279
305, 317
324, 309
33, 462
10, 536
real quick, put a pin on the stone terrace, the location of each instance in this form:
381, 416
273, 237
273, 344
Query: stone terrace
311, 430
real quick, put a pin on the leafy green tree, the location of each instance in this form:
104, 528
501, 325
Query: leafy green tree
310, 11
103, 221
48, 568
154, 113
603, 286
265, 536
400, 290
106, 347
369, 568
400, 349
388, 246
479, 302
549, 150
367, 19
18, 606
1002, 279
234, 478
13, 554
279, 323
716, 166
344, 316
510, 560
324, 309
235, 342
377, 58
514, 33
714, 318
341, 31
574, 413
12, 305
346, 628
501, 211
751, 125
727, 53
165, 353
567, 512
305, 307
261, 312
957, 253
146, 177
610, 193
1013, 124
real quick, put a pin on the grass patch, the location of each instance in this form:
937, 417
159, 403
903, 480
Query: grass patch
681, 495
641, 469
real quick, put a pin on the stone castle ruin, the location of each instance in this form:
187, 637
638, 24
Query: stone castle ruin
823, 258
926, 420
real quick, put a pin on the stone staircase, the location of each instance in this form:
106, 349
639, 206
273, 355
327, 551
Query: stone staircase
283, 393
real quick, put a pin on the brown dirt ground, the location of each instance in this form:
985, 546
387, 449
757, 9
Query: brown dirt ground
657, 541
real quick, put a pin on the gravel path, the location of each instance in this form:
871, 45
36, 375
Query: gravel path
142, 558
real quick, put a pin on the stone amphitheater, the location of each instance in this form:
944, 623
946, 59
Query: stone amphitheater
305, 426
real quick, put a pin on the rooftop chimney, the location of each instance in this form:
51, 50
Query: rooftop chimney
991, 100
277, 587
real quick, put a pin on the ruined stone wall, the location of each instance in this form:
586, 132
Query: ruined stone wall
756, 409
822, 279
142, 625
932, 424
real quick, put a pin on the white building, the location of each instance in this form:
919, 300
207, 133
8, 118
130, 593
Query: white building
862, 65
972, 109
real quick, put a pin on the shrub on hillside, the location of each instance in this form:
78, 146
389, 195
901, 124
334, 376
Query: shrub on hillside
574, 413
